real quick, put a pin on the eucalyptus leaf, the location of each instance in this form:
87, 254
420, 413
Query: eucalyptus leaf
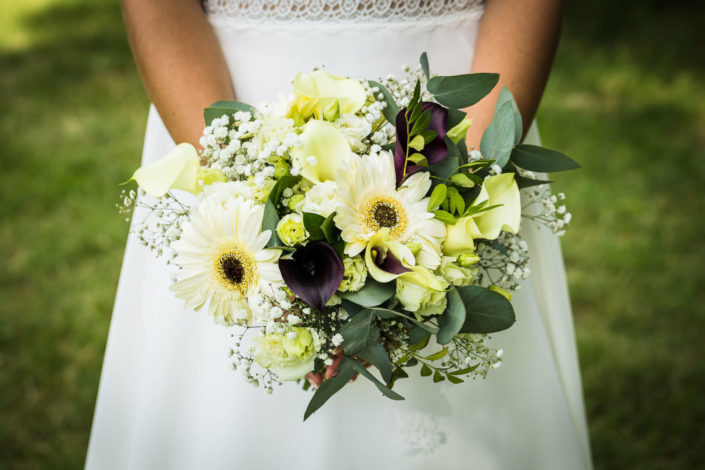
359, 368
372, 294
505, 96
424, 65
356, 332
455, 116
330, 387
375, 354
498, 139
486, 311
217, 109
452, 320
535, 158
461, 91
391, 110
387, 313
524, 182
270, 220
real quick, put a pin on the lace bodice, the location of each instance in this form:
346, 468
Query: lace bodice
340, 13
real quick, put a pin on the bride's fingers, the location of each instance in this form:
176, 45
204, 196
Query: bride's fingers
332, 369
314, 379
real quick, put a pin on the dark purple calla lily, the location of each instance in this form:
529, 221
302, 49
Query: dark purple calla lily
314, 273
434, 151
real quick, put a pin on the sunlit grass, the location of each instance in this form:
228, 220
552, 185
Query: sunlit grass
626, 100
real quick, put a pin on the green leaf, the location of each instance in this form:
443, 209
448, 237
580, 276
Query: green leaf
426, 371
437, 355
387, 392
421, 343
498, 139
391, 110
356, 332
463, 179
445, 217
387, 313
350, 307
455, 117
452, 319
505, 96
372, 294
417, 143
535, 158
269, 222
467, 370
456, 201
461, 91
418, 158
314, 224
329, 229
217, 109
437, 197
524, 182
454, 379
282, 183
422, 123
447, 166
437, 377
486, 311
375, 354
330, 386
424, 65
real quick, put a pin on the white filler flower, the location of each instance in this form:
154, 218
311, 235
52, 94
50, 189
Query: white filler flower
224, 261
370, 201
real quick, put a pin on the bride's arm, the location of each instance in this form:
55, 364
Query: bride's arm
518, 40
180, 61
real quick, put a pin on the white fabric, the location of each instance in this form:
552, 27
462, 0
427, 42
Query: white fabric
168, 399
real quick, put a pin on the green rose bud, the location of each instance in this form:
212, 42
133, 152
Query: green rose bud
455, 273
291, 230
355, 274
332, 111
468, 259
295, 202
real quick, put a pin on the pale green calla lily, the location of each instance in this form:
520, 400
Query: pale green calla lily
378, 248
323, 141
319, 89
179, 169
458, 133
501, 190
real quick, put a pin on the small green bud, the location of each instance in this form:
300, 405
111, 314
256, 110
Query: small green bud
468, 259
281, 168
294, 201
332, 111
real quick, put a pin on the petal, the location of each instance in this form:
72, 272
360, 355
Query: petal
328, 145
326, 89
178, 170
501, 189
314, 273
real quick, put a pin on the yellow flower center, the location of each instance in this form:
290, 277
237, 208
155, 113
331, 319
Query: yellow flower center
383, 211
235, 268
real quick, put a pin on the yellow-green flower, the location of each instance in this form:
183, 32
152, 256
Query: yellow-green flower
318, 91
291, 230
290, 356
422, 292
323, 150
455, 273
179, 169
355, 274
500, 190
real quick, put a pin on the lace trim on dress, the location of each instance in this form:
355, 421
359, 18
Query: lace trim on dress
243, 14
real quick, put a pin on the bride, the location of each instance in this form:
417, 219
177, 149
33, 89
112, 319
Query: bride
167, 398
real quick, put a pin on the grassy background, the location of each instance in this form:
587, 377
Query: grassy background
626, 99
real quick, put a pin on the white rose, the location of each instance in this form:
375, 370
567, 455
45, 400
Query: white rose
321, 199
223, 192
355, 129
454, 273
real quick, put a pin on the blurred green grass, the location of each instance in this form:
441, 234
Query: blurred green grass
625, 99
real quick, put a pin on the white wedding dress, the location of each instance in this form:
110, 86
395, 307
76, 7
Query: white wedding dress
168, 399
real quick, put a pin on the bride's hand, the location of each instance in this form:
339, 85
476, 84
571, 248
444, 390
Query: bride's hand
317, 379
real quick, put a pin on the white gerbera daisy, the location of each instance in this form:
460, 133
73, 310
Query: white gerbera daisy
369, 201
224, 261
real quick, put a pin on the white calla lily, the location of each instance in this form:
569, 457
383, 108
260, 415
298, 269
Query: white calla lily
328, 147
500, 190
179, 169
319, 90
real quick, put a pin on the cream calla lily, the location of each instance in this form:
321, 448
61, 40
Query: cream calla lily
319, 90
379, 248
323, 141
179, 169
501, 190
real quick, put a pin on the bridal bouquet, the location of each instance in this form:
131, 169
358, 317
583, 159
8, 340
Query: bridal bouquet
347, 230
